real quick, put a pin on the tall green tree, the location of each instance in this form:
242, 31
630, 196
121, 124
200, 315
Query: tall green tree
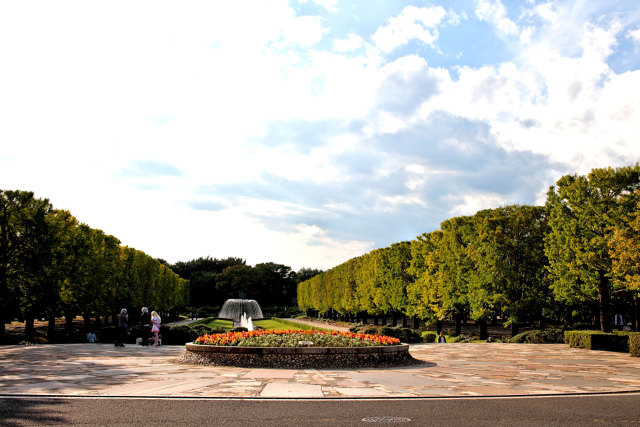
457, 267
425, 291
202, 275
61, 226
583, 213
625, 256
25, 251
275, 284
510, 264
625, 250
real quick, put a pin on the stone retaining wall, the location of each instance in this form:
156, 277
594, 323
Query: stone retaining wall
298, 357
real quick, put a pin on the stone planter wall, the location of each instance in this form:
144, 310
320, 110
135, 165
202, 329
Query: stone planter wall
298, 357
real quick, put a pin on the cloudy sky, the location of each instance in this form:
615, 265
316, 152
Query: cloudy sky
307, 132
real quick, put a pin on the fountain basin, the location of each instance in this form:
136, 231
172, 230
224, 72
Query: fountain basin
298, 357
241, 311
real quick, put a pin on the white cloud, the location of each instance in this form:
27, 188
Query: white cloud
546, 11
305, 30
571, 108
469, 204
412, 23
351, 43
89, 90
634, 35
494, 11
330, 5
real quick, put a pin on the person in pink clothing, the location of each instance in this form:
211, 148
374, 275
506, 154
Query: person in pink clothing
155, 328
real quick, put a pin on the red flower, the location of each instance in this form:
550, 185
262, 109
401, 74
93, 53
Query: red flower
232, 338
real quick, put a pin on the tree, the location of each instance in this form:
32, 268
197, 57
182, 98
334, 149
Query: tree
275, 284
235, 281
305, 274
625, 250
508, 252
202, 274
625, 256
583, 213
425, 292
24, 255
456, 266
61, 226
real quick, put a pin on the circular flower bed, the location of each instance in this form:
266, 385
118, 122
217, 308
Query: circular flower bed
297, 349
295, 338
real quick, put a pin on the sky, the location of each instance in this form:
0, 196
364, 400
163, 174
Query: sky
308, 132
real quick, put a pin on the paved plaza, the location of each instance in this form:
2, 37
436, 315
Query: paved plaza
447, 370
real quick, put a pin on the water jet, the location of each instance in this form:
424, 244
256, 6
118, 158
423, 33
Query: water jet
242, 312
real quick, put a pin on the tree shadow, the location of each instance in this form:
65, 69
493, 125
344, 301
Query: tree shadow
21, 411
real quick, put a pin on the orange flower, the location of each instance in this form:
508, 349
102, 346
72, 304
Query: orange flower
232, 338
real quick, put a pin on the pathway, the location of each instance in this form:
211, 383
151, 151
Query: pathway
448, 370
320, 324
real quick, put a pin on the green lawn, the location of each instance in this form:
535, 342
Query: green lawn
214, 322
271, 324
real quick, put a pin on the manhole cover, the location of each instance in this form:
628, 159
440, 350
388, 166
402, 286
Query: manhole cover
386, 420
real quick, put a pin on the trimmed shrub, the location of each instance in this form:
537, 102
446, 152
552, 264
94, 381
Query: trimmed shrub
409, 335
207, 311
388, 331
596, 340
580, 327
406, 335
107, 334
175, 335
202, 329
363, 328
536, 336
462, 338
428, 336
182, 334
634, 344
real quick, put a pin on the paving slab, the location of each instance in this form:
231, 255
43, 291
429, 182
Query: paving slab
447, 370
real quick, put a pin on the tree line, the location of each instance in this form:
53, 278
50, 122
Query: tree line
52, 265
212, 281
575, 259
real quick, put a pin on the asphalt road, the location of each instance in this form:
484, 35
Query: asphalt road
600, 410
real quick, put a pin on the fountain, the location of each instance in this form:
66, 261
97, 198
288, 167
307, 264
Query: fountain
242, 312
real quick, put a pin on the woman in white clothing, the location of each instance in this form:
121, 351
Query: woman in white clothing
155, 321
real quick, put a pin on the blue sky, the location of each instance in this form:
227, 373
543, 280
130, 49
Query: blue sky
308, 132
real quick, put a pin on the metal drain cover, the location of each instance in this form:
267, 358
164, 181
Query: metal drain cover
386, 420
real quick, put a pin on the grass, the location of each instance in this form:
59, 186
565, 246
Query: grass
214, 322
271, 324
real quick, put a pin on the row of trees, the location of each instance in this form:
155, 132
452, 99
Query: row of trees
579, 254
52, 265
212, 281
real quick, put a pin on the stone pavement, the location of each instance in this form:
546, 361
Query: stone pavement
448, 370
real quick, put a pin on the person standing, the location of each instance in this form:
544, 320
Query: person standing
121, 329
155, 329
442, 339
145, 323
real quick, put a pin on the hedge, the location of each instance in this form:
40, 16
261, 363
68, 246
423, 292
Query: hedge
405, 335
536, 336
634, 344
428, 336
596, 340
